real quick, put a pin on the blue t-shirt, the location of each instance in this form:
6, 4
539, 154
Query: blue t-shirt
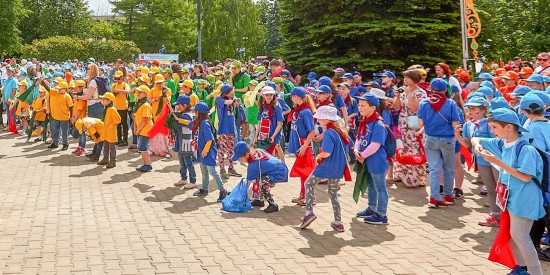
275, 169
338, 101
439, 125
9, 85
333, 166
206, 133
377, 163
352, 108
538, 135
386, 115
479, 129
302, 124
354, 91
283, 104
277, 116
524, 199
226, 117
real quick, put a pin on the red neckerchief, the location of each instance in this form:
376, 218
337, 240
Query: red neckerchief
269, 109
324, 103
342, 136
364, 121
296, 111
437, 100
348, 101
257, 154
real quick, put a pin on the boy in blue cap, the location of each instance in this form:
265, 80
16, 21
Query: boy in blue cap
264, 170
518, 166
184, 141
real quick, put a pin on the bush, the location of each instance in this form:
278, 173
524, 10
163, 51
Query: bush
62, 48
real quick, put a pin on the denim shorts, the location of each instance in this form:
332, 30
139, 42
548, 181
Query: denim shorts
39, 123
142, 143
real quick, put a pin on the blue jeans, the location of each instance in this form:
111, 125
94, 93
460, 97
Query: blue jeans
187, 164
82, 139
96, 152
378, 194
62, 126
205, 170
440, 153
95, 110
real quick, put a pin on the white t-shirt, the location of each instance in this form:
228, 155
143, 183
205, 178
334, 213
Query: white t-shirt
95, 98
540, 70
4, 75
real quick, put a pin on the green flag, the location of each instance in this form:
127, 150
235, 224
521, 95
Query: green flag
28, 95
361, 181
31, 127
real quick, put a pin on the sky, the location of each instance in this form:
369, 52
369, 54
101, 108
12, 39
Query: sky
100, 7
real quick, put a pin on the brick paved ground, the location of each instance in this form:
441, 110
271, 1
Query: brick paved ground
60, 214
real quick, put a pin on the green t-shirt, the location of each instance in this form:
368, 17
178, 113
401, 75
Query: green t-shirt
171, 84
201, 95
131, 96
241, 81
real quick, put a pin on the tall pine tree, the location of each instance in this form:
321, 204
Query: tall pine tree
11, 14
373, 34
63, 17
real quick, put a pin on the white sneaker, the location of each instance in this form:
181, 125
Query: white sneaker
190, 186
168, 156
181, 183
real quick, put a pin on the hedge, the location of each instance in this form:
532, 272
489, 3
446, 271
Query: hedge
62, 48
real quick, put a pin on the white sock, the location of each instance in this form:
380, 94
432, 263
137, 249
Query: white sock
337, 222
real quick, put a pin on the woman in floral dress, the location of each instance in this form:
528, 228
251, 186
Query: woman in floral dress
407, 102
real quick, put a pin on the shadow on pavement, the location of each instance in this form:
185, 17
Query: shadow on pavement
97, 170
484, 239
67, 160
126, 177
447, 218
190, 204
408, 196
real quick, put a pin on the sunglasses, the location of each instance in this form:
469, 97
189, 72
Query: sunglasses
542, 59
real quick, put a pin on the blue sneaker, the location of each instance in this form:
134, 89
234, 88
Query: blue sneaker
545, 240
518, 270
377, 219
307, 220
365, 213
145, 168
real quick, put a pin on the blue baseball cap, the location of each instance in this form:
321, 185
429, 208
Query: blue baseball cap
548, 90
373, 84
438, 85
347, 76
182, 99
201, 107
487, 92
546, 78
499, 102
531, 102
455, 89
488, 84
311, 76
299, 92
475, 94
535, 78
541, 94
507, 116
323, 89
362, 89
312, 83
477, 101
226, 88
520, 90
389, 74
370, 98
356, 73
324, 80
240, 149
483, 76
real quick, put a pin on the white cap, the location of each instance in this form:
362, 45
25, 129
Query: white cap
327, 112
378, 93
267, 90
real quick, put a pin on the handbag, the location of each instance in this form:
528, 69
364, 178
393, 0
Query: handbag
412, 122
412, 159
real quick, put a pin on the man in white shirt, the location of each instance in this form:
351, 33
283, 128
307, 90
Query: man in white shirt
544, 63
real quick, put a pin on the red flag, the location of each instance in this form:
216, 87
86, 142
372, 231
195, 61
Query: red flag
465, 152
158, 127
12, 127
501, 252
347, 173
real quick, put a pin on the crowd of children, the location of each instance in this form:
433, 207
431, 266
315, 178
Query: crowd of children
250, 113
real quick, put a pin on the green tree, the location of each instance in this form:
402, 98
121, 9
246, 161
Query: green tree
63, 17
152, 24
371, 34
231, 24
106, 29
28, 26
11, 13
272, 23
513, 28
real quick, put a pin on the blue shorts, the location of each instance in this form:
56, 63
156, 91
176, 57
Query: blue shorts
39, 123
142, 143
457, 147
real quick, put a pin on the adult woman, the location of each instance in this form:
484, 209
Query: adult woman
407, 102
443, 71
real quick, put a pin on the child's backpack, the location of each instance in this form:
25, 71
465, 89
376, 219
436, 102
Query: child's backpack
391, 142
102, 85
237, 201
545, 156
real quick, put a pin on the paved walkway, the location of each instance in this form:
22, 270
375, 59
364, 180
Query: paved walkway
60, 214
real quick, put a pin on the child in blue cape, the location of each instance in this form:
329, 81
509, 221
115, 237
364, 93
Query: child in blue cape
264, 169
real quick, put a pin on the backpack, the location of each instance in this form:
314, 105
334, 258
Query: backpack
102, 85
390, 145
544, 184
237, 201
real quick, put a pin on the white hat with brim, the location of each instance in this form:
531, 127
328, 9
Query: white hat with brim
327, 112
268, 90
378, 93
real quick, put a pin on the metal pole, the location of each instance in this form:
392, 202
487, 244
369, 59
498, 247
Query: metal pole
464, 35
199, 31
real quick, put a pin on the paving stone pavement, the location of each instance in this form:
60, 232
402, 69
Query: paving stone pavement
60, 214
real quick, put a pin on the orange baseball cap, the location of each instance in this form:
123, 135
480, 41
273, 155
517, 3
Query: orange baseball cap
511, 75
526, 70
464, 75
500, 72
459, 71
